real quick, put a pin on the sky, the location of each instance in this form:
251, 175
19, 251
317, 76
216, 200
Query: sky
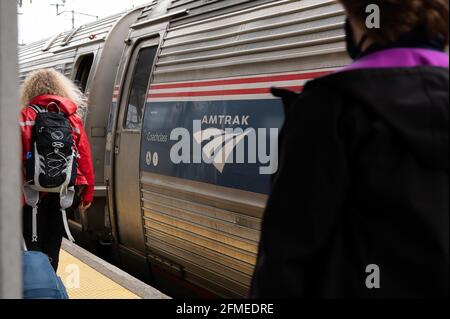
38, 20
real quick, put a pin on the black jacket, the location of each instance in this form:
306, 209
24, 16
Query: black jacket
363, 180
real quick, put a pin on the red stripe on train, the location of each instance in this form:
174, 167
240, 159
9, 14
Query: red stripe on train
274, 78
221, 92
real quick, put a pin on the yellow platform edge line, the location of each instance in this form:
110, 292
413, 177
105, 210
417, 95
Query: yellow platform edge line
84, 282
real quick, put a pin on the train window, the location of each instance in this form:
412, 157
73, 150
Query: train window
84, 69
138, 92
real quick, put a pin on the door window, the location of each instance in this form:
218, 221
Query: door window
84, 69
139, 88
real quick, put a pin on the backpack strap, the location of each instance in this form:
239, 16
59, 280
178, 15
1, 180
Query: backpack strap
66, 225
38, 109
34, 238
32, 199
66, 197
31, 195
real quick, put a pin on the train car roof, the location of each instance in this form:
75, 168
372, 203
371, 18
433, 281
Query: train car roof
84, 35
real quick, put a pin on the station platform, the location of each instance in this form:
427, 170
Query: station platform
88, 277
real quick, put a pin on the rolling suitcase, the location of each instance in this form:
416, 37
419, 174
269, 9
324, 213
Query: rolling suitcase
39, 279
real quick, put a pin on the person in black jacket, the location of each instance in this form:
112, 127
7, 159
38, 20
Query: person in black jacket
360, 205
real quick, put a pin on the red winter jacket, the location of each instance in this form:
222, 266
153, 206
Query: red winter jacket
85, 170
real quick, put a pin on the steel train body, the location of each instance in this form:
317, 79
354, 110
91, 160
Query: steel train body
176, 203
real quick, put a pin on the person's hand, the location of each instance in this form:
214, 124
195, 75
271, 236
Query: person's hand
84, 207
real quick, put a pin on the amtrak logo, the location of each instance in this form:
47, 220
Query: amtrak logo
221, 147
219, 150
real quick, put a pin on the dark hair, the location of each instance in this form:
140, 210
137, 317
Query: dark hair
399, 17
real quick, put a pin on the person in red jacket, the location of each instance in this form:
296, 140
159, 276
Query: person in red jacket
42, 88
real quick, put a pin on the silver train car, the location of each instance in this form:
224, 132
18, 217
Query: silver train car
176, 89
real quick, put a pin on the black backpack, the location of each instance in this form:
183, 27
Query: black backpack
51, 166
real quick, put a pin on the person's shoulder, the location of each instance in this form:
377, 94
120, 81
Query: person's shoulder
76, 118
346, 80
77, 123
347, 85
320, 93
333, 82
27, 112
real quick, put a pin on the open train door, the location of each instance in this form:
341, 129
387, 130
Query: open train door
126, 152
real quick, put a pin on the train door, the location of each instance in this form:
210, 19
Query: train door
127, 146
83, 71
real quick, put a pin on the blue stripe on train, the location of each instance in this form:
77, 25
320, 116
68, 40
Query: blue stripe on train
161, 119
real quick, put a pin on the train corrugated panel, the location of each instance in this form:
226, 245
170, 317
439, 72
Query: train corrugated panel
203, 9
33, 57
57, 62
214, 237
68, 69
146, 12
300, 34
34, 51
32, 46
208, 237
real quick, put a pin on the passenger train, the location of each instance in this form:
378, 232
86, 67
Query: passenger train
170, 83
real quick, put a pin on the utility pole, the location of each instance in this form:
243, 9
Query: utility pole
72, 12
10, 193
20, 3
81, 14
57, 5
20, 41
73, 19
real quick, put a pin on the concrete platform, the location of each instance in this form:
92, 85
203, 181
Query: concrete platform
88, 277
